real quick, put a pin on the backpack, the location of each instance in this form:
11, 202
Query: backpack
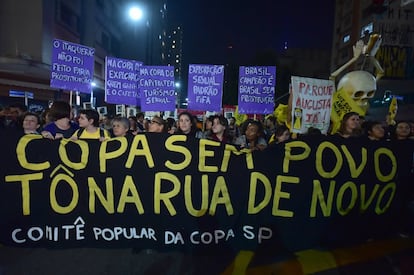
101, 132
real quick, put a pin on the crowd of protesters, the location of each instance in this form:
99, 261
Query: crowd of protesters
59, 122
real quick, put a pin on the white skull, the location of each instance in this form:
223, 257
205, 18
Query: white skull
360, 85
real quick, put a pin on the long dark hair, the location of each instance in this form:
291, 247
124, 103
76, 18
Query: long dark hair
342, 128
193, 125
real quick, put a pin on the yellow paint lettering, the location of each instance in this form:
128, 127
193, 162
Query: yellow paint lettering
75, 194
289, 156
84, 149
279, 194
170, 146
319, 160
385, 153
94, 191
204, 153
165, 197
21, 154
188, 196
255, 178
339, 200
317, 195
139, 147
221, 196
25, 180
229, 150
129, 188
365, 204
355, 171
390, 186
104, 155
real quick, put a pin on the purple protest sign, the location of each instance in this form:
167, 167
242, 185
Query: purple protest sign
157, 88
205, 87
121, 81
257, 89
72, 66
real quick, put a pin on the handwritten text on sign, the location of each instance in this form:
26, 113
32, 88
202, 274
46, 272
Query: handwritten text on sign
72, 66
121, 85
205, 87
256, 90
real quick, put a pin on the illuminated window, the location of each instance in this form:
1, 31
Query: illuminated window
367, 28
346, 38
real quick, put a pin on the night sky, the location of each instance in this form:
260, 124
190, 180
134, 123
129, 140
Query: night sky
210, 27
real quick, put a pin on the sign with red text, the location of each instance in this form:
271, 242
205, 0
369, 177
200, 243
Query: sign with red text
311, 104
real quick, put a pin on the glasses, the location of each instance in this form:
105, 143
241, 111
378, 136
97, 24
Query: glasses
157, 122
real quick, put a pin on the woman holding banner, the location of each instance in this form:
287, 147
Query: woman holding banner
186, 125
62, 126
350, 126
253, 136
219, 130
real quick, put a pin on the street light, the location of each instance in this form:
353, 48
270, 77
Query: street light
135, 13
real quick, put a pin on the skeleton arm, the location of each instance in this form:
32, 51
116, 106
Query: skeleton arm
380, 70
371, 50
358, 49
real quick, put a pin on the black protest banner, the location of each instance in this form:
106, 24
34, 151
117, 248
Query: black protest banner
176, 193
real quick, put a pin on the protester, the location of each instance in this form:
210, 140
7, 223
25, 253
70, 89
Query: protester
233, 129
252, 138
157, 125
140, 123
186, 125
31, 123
133, 125
350, 126
106, 122
219, 129
11, 117
208, 123
401, 130
373, 130
120, 127
89, 126
62, 126
171, 125
282, 134
269, 127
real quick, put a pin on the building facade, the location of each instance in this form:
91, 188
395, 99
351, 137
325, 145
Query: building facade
29, 27
394, 21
